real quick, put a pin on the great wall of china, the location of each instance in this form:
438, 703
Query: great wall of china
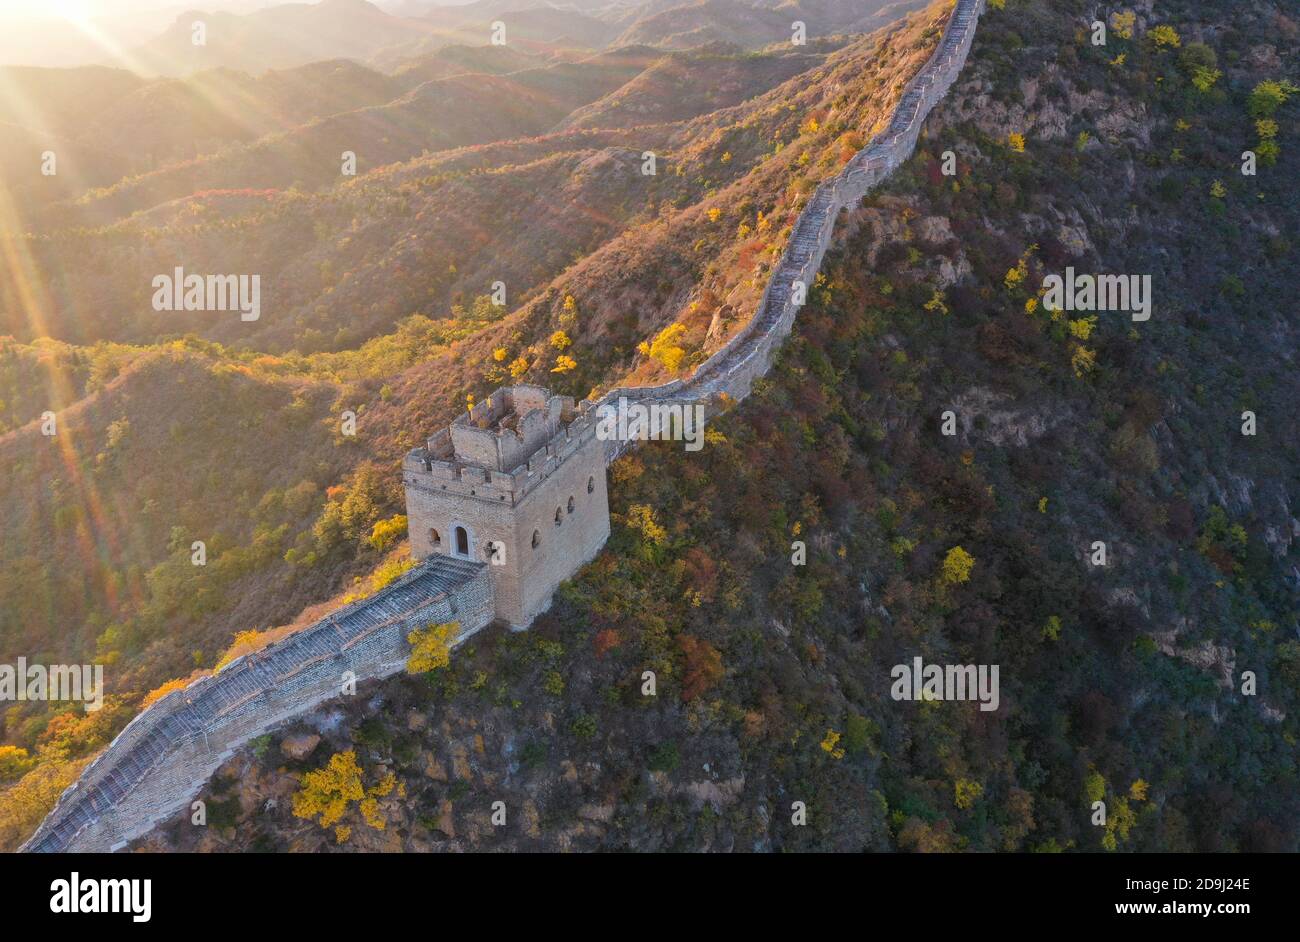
155, 767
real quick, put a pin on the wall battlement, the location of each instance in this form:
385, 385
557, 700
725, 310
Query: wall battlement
477, 457
502, 431
535, 522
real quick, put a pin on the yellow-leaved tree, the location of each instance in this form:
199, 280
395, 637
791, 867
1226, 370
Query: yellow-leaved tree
14, 762
1165, 36
370, 804
326, 793
431, 647
664, 347
387, 532
153, 696
641, 517
569, 313
966, 792
957, 566
30, 798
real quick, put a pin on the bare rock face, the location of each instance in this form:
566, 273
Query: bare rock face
1264, 57
894, 220
1001, 424
1217, 659
717, 795
299, 746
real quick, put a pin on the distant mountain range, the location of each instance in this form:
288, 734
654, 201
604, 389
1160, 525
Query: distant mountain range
253, 36
278, 92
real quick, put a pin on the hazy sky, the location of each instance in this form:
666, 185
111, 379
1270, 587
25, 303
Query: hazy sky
95, 9
91, 9
75, 32
109, 9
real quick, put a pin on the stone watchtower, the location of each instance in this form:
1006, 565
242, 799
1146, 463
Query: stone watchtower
518, 482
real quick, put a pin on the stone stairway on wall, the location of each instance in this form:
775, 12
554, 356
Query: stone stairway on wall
156, 765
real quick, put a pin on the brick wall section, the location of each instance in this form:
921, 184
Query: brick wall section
748, 355
156, 765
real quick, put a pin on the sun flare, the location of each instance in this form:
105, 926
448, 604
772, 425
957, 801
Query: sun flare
75, 11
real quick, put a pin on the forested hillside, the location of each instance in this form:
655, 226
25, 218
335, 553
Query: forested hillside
1123, 682
275, 443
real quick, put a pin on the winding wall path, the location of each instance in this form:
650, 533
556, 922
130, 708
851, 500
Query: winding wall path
157, 764
748, 355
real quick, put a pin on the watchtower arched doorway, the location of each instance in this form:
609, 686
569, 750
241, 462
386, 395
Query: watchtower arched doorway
461, 542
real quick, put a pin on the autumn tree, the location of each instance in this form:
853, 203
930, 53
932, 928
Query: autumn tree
387, 532
569, 313
606, 640
957, 566
1165, 36
966, 792
830, 744
354, 508
640, 517
326, 793
1268, 96
1122, 23
369, 806
665, 349
14, 762
703, 666
30, 799
431, 647
701, 570
153, 696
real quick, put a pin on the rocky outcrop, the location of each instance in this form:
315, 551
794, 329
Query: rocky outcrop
300, 746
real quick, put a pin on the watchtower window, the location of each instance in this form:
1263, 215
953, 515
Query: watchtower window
537, 538
591, 484
462, 541
559, 516
570, 503
435, 539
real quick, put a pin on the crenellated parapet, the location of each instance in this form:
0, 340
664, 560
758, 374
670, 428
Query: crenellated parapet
503, 448
517, 482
